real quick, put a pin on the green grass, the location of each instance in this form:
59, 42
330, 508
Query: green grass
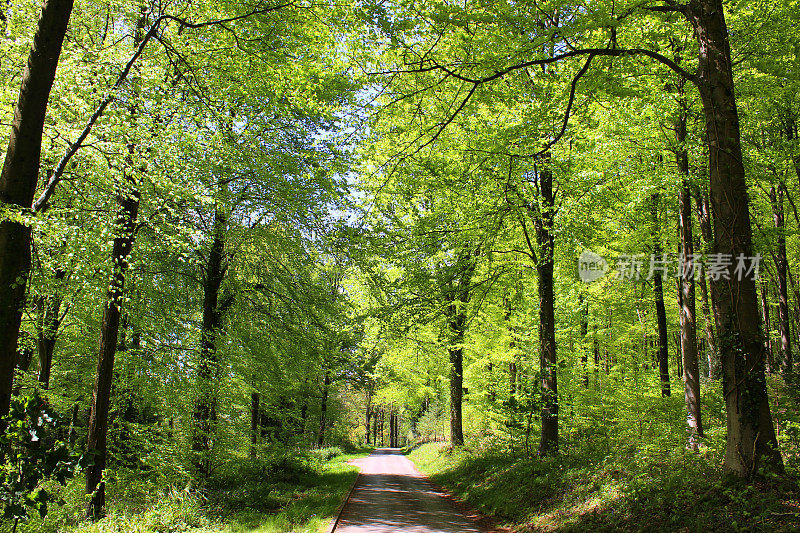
289, 494
677, 491
623, 466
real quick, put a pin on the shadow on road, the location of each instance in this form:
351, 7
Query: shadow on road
392, 496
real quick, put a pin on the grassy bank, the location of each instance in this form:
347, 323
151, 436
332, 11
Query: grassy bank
677, 491
625, 467
296, 492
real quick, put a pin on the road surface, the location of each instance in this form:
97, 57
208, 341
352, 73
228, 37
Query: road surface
391, 496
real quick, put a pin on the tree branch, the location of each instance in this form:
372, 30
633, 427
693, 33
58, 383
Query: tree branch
55, 176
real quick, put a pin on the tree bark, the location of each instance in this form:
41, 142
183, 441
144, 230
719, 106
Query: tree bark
323, 416
781, 266
584, 305
205, 410
691, 370
19, 177
661, 312
96, 447
457, 296
547, 324
770, 360
254, 417
750, 434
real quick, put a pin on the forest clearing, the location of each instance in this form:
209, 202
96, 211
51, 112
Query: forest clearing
527, 266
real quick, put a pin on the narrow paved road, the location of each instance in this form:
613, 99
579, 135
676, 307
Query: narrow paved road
392, 496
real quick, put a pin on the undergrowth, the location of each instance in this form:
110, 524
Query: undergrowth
293, 491
632, 473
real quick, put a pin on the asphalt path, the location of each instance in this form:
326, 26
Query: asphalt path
391, 495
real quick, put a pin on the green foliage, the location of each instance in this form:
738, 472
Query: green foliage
31, 455
326, 454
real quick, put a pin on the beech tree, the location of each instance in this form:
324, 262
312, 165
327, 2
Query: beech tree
19, 178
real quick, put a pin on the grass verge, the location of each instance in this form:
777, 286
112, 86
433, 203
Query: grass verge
625, 491
298, 493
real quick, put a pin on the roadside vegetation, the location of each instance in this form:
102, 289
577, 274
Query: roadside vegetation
612, 479
288, 491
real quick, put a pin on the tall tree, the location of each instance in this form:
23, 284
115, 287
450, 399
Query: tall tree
691, 370
781, 267
662, 355
128, 198
456, 285
18, 181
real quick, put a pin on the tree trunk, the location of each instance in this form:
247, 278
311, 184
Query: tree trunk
205, 410
691, 371
323, 412
383, 420
375, 427
24, 358
781, 265
73, 425
456, 390
457, 295
711, 348
254, 412
547, 325
661, 312
109, 331
47, 326
770, 360
584, 305
750, 433
367, 417
19, 177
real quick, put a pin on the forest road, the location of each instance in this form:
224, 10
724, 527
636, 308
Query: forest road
391, 495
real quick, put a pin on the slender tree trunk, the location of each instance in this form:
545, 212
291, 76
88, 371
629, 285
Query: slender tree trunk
711, 348
661, 312
383, 420
47, 326
323, 412
770, 360
547, 325
750, 433
367, 417
109, 330
457, 295
18, 181
781, 265
584, 305
73, 425
375, 415
205, 409
691, 371
255, 399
